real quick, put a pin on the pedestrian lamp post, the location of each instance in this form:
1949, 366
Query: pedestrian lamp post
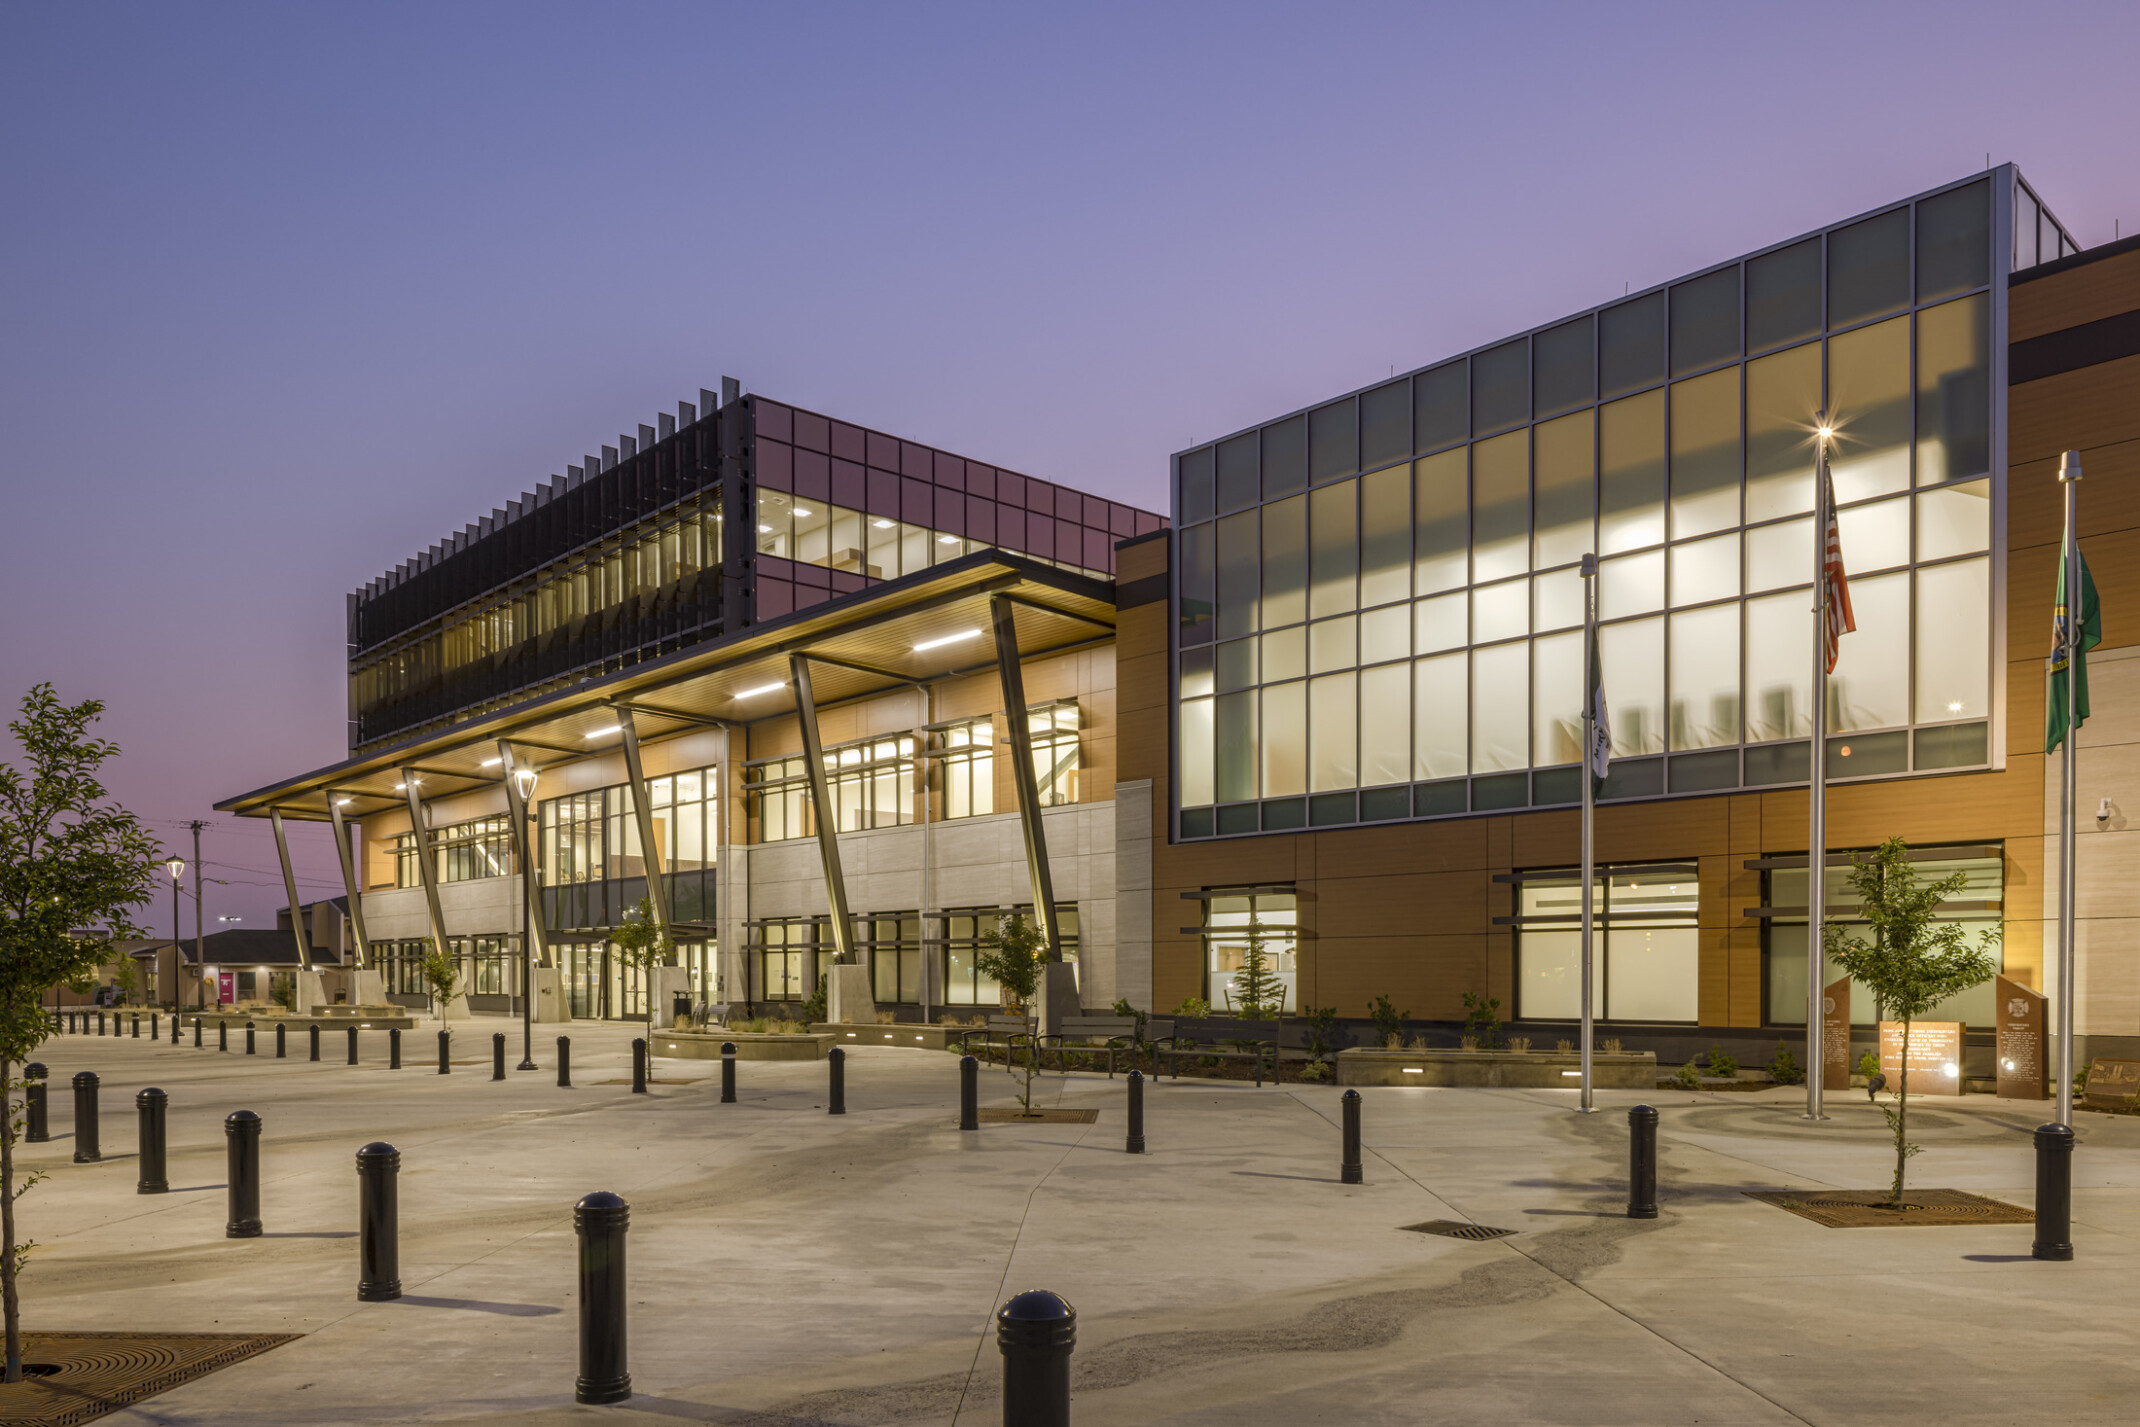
524, 777
177, 868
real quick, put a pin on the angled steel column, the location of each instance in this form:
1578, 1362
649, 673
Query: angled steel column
289, 887
350, 885
1036, 839
828, 836
533, 947
420, 830
649, 850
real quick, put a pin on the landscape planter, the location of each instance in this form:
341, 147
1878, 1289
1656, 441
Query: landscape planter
750, 1045
1504, 1069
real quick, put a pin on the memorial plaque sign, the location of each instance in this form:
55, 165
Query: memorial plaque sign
2018, 1021
1935, 1056
1835, 1035
2112, 1084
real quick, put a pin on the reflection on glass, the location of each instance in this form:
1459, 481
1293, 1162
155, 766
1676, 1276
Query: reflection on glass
1285, 457
1501, 707
1779, 672
1386, 424
1501, 518
1954, 241
1439, 701
1782, 393
1332, 644
1285, 654
1705, 321
1196, 672
1501, 386
1869, 268
1704, 570
1234, 664
1631, 584
1285, 561
1333, 549
1440, 623
1333, 441
1870, 687
1557, 599
1632, 657
1705, 677
1953, 655
1386, 633
1196, 752
1705, 453
1235, 740
1779, 555
1631, 444
1441, 407
1557, 676
1875, 536
1566, 480
1333, 725
1954, 391
1239, 485
1196, 591
1195, 474
1869, 395
1386, 536
1285, 740
1500, 611
1631, 345
1562, 356
1955, 520
1238, 575
1783, 296
1385, 725
1441, 521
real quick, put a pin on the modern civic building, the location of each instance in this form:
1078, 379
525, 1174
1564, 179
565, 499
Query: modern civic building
645, 678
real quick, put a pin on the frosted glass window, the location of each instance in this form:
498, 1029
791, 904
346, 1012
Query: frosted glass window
1869, 401
1652, 973
1386, 536
1441, 521
1782, 393
1953, 641
1954, 391
1285, 740
1439, 701
1333, 728
1385, 725
1195, 672
1441, 623
1196, 752
1631, 656
1779, 666
1500, 611
1550, 987
1779, 555
1632, 473
1705, 677
1954, 521
1870, 687
1194, 472
1234, 664
1876, 536
1501, 517
1333, 644
1285, 654
1557, 700
1631, 584
1386, 633
1196, 584
1285, 562
1235, 741
1333, 549
1501, 707
1557, 599
1704, 570
1705, 453
1238, 572
1566, 458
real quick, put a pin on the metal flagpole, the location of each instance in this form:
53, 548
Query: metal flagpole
2069, 477
1817, 810
1590, 729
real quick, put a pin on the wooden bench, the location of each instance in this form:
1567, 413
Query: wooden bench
1011, 1029
1255, 1041
1108, 1033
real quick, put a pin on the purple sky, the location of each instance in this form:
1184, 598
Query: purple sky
292, 291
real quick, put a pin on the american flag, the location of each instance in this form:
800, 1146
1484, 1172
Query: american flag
1835, 584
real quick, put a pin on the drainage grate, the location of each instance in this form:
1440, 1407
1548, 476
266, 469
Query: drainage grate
1451, 1229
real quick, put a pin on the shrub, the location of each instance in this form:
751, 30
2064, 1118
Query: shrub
1482, 1018
1688, 1078
1193, 1006
1322, 1029
1389, 1021
814, 1008
1785, 1069
1721, 1064
1868, 1065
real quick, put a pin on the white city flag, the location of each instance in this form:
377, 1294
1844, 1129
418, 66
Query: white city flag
1600, 753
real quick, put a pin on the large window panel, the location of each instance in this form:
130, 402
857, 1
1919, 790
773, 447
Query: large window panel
1285, 654
1782, 393
1285, 457
1194, 472
1385, 725
1631, 444
1333, 441
1236, 747
1441, 521
1285, 562
1501, 707
1385, 634
1240, 483
1953, 641
1557, 599
1440, 704
1557, 699
1501, 386
1955, 520
1239, 568
1869, 268
1333, 549
1501, 499
1196, 754
1441, 623
1631, 345
1285, 740
1954, 391
1564, 361
1441, 407
1631, 584
1196, 584
1705, 677
1870, 687
1631, 658
1386, 536
1705, 321
1779, 555
1500, 611
1652, 973
1333, 644
1705, 570
1869, 402
1783, 296
1333, 727
1386, 424
1705, 453
1954, 241
1875, 536
1566, 458
1779, 666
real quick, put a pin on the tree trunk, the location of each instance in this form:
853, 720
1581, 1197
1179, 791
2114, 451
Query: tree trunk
1902, 1115
7, 1222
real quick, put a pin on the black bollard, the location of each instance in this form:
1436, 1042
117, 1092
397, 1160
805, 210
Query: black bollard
174, 1028
1642, 1163
196, 1032
969, 1093
497, 1055
248, 1037
100, 1023
445, 1052
137, 1026
315, 1034
728, 1072
222, 1036
602, 1219
1349, 1171
1036, 1332
564, 1062
352, 1044
1135, 1143
241, 1140
836, 1081
282, 1042
34, 1111
155, 1026
85, 1118
378, 1223
2054, 1193
150, 1104
393, 1048
638, 1066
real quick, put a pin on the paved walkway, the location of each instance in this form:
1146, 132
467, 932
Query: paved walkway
789, 1267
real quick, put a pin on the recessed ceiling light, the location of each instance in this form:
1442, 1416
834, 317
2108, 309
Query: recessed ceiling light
761, 689
947, 540
765, 530
614, 728
882, 524
947, 639
399, 786
343, 802
493, 762
800, 511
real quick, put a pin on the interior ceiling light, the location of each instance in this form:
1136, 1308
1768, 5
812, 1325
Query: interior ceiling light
343, 802
493, 762
947, 639
612, 730
882, 524
400, 786
761, 689
947, 540
800, 511
765, 530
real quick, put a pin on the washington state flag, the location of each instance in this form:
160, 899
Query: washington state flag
2058, 721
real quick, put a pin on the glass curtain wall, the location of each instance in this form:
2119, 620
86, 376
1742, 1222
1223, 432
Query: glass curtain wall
814, 532
460, 852
1380, 611
593, 868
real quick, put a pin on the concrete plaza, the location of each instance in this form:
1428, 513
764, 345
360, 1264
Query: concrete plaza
789, 1267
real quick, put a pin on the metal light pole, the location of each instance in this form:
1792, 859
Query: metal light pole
520, 779
2069, 480
177, 868
1590, 730
1817, 806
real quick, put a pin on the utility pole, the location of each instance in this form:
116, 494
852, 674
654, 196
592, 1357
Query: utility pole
200, 940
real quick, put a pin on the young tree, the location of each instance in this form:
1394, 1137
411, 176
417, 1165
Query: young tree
69, 859
1912, 961
442, 969
639, 936
1257, 992
1013, 954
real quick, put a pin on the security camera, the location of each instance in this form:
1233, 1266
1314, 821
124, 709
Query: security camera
2102, 812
